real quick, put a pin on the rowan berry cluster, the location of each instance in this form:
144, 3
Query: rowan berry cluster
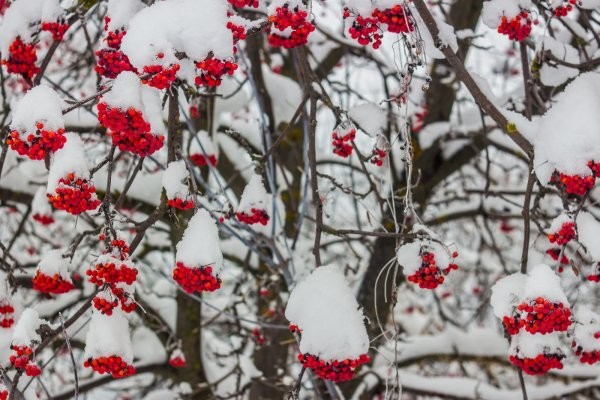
129, 130
365, 30
543, 316
255, 216
7, 314
539, 365
4, 392
595, 276
111, 60
181, 204
21, 360
112, 271
56, 28
333, 370
586, 357
258, 337
368, 29
342, 141
565, 234
54, 284
21, 59
243, 3
574, 184
43, 219
378, 155
554, 253
429, 275
113, 365
239, 33
201, 160
160, 77
397, 19
196, 279
211, 71
295, 328
74, 195
293, 21
177, 359
564, 9
36, 145
517, 28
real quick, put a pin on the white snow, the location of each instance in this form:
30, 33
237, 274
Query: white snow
203, 144
70, 159
507, 293
174, 180
369, 117
53, 263
120, 12
327, 312
255, 196
543, 282
40, 104
108, 336
18, 20
200, 243
558, 222
555, 75
587, 233
409, 255
24, 333
40, 204
526, 345
494, 10
587, 325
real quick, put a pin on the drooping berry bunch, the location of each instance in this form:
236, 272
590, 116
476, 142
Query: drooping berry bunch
74, 194
429, 275
36, 145
22, 58
175, 181
539, 365
554, 253
238, 31
211, 71
43, 219
543, 316
110, 270
7, 314
333, 370
177, 359
203, 151
518, 27
196, 279
111, 60
574, 184
159, 76
586, 357
255, 216
397, 19
3, 392
21, 360
182, 204
595, 275
378, 155
365, 30
54, 284
129, 130
342, 138
564, 235
563, 9
243, 3
113, 365
291, 26
200, 160
57, 28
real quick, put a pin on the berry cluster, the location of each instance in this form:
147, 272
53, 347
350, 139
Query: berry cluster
201, 160
342, 142
21, 59
160, 77
587, 357
111, 272
255, 216
565, 234
554, 253
364, 30
43, 219
574, 184
111, 60
74, 195
595, 276
295, 25
244, 3
7, 314
239, 33
21, 359
397, 19
333, 370
542, 316
377, 156
129, 130
517, 28
429, 275
212, 70
113, 365
181, 204
54, 284
539, 365
196, 279
38, 144
56, 28
177, 359
4, 392
563, 10
258, 337
104, 305
295, 328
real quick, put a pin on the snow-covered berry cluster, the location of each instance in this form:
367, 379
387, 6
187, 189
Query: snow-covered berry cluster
561, 8
110, 270
254, 204
159, 76
562, 231
57, 28
114, 365
211, 71
36, 144
514, 19
41, 209
367, 25
175, 182
333, 370
243, 3
22, 59
202, 150
397, 19
342, 138
52, 274
577, 185
543, 316
517, 28
199, 257
238, 29
177, 359
290, 25
7, 313
111, 59
74, 194
254, 216
538, 365
21, 359
24, 337
586, 336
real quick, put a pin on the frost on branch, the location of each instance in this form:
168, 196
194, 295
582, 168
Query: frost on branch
25, 336
52, 274
568, 160
334, 340
69, 186
202, 150
108, 346
255, 204
160, 35
199, 258
38, 126
132, 114
175, 182
586, 336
